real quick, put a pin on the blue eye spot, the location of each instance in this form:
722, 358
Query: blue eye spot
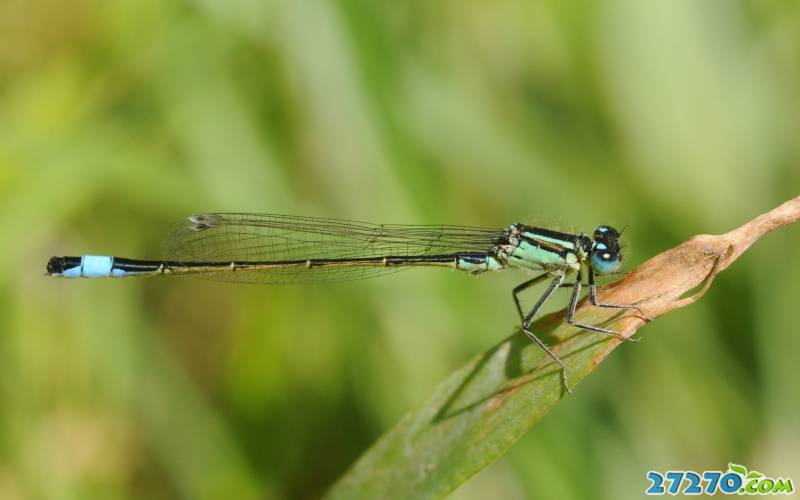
602, 229
602, 263
601, 246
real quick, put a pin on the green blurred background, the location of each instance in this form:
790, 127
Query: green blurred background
670, 118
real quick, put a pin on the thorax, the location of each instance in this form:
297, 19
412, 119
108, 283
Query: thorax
537, 249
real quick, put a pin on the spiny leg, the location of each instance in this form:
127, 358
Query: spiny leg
593, 298
526, 323
573, 302
522, 287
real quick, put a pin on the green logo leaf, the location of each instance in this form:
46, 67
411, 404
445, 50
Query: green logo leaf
739, 469
753, 474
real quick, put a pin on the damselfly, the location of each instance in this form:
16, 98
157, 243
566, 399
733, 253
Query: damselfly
282, 249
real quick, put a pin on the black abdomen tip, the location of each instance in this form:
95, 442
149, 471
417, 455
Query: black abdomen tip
55, 265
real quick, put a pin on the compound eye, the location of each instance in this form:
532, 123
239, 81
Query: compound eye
605, 233
604, 261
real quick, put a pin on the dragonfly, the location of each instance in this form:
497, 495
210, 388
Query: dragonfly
285, 249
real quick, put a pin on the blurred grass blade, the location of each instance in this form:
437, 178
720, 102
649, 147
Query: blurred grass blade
478, 412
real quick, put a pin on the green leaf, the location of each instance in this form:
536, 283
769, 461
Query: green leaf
473, 416
754, 474
740, 469
481, 409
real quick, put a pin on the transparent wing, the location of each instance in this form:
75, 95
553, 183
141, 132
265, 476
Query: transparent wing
268, 238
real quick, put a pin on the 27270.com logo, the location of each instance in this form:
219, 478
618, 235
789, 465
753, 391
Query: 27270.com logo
737, 480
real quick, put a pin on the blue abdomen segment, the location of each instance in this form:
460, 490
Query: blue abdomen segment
103, 266
86, 266
91, 266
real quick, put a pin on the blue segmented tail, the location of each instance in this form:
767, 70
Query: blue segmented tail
98, 266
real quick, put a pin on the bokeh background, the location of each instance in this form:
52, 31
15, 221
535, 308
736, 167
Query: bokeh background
670, 118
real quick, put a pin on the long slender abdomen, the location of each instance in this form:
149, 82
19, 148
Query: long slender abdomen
103, 266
